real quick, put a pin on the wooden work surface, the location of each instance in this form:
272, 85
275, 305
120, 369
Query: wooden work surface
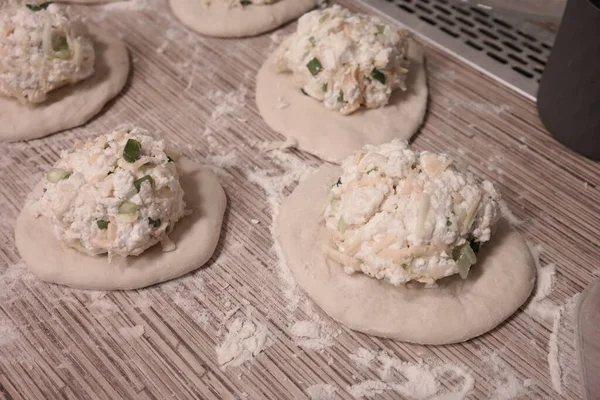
161, 342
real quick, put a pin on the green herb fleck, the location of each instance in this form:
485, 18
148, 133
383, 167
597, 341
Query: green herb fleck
339, 182
132, 151
475, 244
138, 182
304, 92
324, 18
448, 222
169, 159
314, 66
312, 41
110, 173
378, 75
61, 50
102, 224
380, 29
38, 7
341, 97
154, 222
245, 2
371, 170
324, 88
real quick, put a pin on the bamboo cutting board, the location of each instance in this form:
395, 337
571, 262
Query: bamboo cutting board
164, 342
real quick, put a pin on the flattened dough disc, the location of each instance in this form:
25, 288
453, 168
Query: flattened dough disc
71, 105
456, 311
219, 20
329, 134
195, 236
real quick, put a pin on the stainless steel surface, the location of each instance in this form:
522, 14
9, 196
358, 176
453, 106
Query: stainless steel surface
505, 47
545, 8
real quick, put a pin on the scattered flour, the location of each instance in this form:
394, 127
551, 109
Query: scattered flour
185, 297
132, 332
275, 183
506, 384
244, 340
226, 103
508, 214
416, 380
321, 391
311, 335
278, 145
553, 355
99, 305
8, 331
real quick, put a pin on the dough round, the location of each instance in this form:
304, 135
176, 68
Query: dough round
219, 20
195, 236
455, 311
329, 134
71, 105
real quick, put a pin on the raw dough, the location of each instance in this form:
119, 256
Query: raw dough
219, 20
195, 236
455, 311
72, 105
329, 134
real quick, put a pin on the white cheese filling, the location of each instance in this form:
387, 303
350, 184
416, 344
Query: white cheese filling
118, 194
41, 49
401, 215
345, 60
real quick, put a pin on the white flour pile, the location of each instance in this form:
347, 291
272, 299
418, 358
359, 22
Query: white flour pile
321, 391
244, 340
312, 335
411, 380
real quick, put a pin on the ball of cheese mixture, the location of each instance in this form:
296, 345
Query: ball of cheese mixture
41, 49
345, 60
118, 194
401, 215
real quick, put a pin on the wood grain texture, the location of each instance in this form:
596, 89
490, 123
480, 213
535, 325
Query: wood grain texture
61, 343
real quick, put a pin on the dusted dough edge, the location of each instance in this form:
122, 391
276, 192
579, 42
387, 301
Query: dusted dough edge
330, 135
196, 237
221, 21
456, 311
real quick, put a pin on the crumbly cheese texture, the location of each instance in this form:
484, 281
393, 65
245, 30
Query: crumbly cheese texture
401, 215
345, 60
100, 200
41, 50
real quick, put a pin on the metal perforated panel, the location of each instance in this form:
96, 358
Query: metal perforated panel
508, 48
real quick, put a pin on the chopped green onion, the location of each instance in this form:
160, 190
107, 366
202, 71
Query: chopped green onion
324, 18
110, 173
138, 182
342, 225
380, 29
341, 97
339, 182
102, 224
57, 174
314, 66
312, 41
378, 75
169, 159
474, 244
128, 207
132, 151
38, 7
371, 170
62, 49
324, 88
245, 2
154, 222
304, 92
448, 222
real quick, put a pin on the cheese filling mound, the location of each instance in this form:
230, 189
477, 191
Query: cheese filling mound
118, 194
41, 49
401, 215
345, 60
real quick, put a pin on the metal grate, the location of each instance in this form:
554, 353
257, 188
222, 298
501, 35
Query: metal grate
510, 49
